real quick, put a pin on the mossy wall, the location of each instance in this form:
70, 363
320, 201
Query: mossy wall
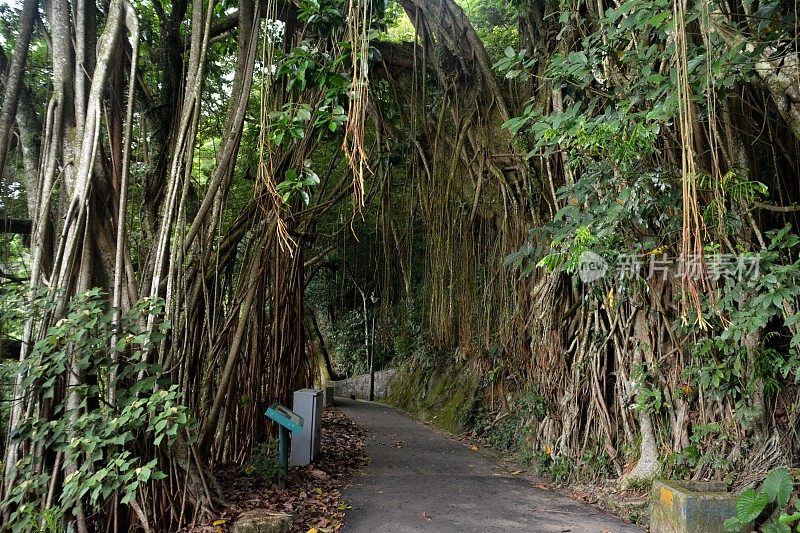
442, 394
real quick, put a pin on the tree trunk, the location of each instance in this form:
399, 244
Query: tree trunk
647, 466
14, 78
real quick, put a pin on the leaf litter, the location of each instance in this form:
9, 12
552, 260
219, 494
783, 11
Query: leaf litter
312, 494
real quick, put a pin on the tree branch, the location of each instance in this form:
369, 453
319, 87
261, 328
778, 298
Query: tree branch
778, 208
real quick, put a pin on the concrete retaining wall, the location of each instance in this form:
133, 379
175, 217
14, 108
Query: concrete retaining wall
692, 507
358, 386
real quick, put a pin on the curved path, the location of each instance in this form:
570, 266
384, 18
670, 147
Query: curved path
419, 479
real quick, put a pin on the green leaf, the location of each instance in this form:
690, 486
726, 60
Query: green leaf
304, 114
732, 524
130, 493
658, 20
750, 504
778, 486
775, 527
311, 178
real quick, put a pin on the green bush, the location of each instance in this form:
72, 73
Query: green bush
767, 508
264, 461
107, 441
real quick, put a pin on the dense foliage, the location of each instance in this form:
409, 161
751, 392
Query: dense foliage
587, 208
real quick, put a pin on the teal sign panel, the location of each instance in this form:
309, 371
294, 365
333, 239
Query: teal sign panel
285, 417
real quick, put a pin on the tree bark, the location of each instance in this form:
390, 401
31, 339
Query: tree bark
14, 78
234, 123
646, 467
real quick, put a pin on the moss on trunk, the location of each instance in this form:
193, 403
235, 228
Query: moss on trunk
442, 395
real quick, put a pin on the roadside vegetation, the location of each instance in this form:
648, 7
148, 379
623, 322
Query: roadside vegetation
571, 225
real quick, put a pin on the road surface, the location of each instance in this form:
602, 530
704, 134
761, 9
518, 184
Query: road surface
420, 479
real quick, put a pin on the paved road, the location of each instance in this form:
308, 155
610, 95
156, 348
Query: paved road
419, 479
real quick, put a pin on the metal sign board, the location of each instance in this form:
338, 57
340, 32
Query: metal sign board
285, 417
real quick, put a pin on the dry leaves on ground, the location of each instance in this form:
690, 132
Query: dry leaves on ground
607, 495
312, 495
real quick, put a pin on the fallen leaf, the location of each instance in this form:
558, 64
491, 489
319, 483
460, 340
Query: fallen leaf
218, 522
516, 472
473, 447
312, 495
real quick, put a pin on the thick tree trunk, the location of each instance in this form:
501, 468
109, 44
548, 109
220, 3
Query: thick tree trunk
14, 78
321, 345
30, 131
234, 122
647, 466
289, 367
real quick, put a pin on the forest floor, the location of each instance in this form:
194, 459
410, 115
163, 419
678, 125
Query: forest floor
420, 478
312, 495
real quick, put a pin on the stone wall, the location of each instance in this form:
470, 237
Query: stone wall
358, 386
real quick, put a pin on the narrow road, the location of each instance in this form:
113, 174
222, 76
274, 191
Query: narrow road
419, 479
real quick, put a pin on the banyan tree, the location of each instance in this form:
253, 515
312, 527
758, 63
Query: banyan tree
204, 191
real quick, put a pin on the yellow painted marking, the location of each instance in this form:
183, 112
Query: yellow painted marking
666, 497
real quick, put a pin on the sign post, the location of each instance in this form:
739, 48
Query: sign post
287, 421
